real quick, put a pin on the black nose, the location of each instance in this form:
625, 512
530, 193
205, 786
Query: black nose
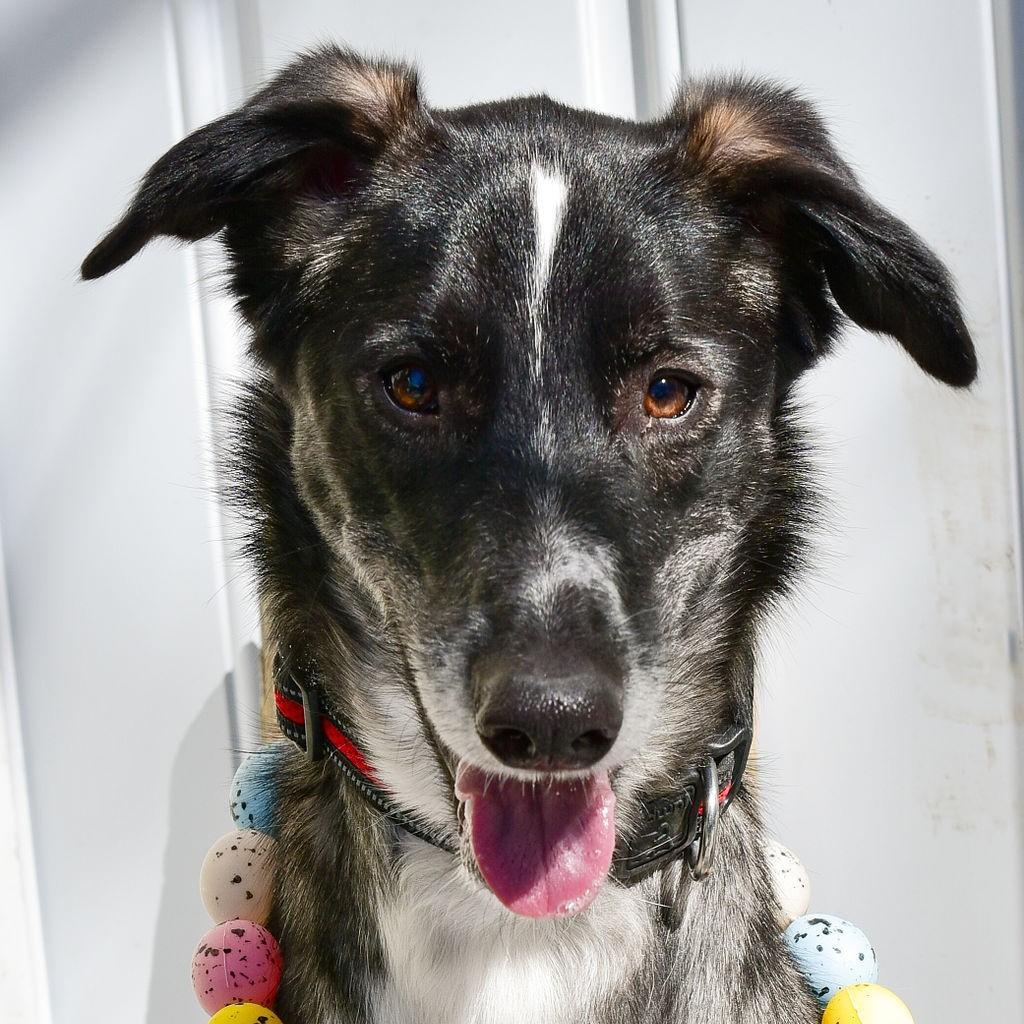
529, 717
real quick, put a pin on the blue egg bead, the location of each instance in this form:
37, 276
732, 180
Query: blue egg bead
253, 800
830, 953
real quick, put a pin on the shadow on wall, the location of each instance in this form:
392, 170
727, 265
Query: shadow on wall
198, 815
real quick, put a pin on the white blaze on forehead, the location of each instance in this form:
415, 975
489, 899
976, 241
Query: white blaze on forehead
548, 192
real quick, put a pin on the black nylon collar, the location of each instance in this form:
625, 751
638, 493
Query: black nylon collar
670, 825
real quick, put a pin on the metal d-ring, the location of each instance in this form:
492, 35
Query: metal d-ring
700, 855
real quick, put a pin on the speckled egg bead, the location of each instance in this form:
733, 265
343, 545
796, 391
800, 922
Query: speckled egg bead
245, 1013
830, 953
254, 789
866, 1004
236, 962
237, 877
790, 881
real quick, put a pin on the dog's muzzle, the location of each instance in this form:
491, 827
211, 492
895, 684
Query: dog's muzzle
678, 828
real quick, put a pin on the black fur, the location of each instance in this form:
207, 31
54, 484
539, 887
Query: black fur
394, 550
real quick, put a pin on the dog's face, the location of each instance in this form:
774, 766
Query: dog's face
537, 364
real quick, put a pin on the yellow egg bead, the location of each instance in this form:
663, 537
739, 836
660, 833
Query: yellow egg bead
245, 1013
866, 1004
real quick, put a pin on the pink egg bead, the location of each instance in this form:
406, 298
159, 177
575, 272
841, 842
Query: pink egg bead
236, 962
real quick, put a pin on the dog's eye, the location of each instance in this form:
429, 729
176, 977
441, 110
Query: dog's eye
412, 388
668, 395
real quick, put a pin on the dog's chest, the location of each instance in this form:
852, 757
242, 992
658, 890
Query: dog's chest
454, 955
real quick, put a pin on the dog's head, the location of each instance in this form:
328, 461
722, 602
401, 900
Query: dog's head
536, 365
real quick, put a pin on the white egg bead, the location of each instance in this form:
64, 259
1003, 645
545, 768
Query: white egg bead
790, 881
237, 877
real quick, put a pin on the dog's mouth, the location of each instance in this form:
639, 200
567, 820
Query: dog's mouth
544, 848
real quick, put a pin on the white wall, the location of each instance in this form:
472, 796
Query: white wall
890, 701
105, 518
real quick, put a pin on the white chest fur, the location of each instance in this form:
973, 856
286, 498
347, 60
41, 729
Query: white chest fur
456, 956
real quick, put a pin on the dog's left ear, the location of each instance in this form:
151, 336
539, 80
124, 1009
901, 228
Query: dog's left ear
765, 153
277, 175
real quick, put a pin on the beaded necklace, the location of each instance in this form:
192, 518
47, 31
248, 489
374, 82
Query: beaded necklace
237, 966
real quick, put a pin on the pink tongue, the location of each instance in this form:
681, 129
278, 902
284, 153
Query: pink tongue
543, 849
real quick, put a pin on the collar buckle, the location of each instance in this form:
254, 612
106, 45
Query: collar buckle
682, 826
312, 708
735, 742
669, 827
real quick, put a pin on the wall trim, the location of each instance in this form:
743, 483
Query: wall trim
22, 957
606, 53
208, 78
1006, 37
657, 54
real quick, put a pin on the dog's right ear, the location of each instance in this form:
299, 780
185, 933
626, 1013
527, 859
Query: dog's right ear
310, 132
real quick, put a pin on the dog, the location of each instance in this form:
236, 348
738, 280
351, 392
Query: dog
523, 476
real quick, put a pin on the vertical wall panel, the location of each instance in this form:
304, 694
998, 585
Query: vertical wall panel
23, 975
891, 694
104, 512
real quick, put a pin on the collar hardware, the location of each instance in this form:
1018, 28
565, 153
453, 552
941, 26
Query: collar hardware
682, 826
311, 712
700, 854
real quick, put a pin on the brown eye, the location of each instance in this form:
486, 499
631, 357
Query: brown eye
668, 396
412, 387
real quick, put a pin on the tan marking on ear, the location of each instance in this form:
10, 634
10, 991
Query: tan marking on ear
727, 136
382, 97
